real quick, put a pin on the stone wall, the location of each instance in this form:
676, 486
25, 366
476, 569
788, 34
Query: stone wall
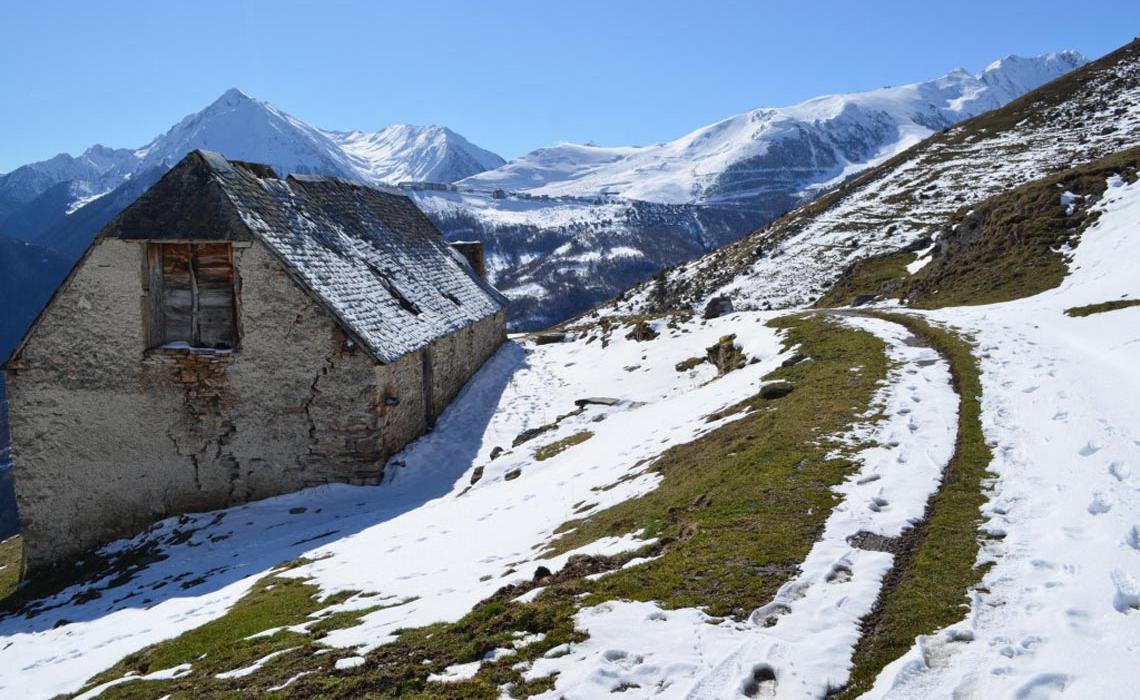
454, 358
457, 356
109, 436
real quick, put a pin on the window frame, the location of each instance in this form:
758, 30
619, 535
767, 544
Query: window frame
154, 295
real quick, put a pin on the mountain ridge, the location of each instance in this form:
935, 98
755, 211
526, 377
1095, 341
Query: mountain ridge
736, 161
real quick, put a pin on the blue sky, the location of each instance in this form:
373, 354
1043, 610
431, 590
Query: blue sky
510, 75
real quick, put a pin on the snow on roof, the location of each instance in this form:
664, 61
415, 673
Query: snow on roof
371, 256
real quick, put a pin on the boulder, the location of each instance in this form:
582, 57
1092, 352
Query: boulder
547, 338
793, 360
726, 355
718, 306
642, 332
776, 390
596, 400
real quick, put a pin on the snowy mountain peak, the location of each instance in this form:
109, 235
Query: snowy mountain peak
767, 159
409, 152
242, 127
235, 94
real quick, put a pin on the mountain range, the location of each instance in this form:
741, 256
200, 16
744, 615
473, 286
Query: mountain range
585, 219
764, 159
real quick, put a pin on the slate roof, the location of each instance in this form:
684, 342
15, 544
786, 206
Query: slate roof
374, 259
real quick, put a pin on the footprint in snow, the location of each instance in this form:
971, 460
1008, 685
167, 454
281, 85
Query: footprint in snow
840, 573
878, 504
1043, 686
1127, 598
1120, 471
1132, 538
1101, 503
1030, 389
1090, 448
762, 682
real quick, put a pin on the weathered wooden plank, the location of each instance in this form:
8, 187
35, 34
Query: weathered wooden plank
153, 282
215, 315
177, 294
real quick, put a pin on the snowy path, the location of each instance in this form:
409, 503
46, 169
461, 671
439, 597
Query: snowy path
800, 644
1060, 609
418, 536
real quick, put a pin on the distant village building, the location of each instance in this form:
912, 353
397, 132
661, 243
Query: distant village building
233, 335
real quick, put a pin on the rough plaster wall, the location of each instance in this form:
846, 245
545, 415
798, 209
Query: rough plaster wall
457, 356
108, 437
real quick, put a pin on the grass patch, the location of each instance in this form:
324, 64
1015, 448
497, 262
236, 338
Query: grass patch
11, 562
875, 276
559, 446
1090, 309
686, 365
926, 589
1009, 246
738, 509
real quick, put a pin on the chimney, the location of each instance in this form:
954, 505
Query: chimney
472, 251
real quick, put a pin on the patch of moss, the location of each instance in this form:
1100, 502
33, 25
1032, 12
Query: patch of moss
869, 277
1010, 246
686, 365
927, 587
11, 562
560, 446
1090, 309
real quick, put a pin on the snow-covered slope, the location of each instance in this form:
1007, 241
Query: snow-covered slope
1086, 114
1058, 609
556, 257
420, 153
765, 158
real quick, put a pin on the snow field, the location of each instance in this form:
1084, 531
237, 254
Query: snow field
805, 637
1058, 611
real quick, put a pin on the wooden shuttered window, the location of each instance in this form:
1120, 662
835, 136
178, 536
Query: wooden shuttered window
191, 294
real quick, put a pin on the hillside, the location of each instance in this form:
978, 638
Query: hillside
555, 257
904, 521
1089, 113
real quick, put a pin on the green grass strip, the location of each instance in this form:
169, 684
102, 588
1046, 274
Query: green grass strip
926, 590
1090, 309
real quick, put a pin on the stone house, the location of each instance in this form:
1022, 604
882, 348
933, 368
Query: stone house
233, 335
